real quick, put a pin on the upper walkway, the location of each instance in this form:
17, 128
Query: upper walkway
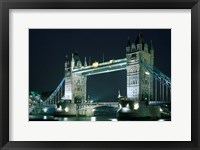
105, 67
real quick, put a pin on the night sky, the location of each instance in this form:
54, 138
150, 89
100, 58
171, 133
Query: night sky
48, 48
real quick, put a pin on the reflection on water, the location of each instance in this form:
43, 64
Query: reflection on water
52, 118
82, 118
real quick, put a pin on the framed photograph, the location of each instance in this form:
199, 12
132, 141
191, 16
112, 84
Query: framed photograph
99, 74
107, 84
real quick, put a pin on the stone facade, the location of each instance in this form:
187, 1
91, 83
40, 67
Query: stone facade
68, 81
75, 83
79, 88
139, 80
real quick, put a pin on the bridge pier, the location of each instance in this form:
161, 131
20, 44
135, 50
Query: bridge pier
136, 110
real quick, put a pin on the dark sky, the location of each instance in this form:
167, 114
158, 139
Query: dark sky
48, 48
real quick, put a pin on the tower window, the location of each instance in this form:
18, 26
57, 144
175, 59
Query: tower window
133, 56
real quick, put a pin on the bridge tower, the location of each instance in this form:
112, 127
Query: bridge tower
133, 74
75, 83
139, 81
78, 80
68, 81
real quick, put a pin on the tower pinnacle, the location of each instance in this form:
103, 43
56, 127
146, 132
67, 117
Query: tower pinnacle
119, 95
129, 42
85, 63
151, 46
72, 61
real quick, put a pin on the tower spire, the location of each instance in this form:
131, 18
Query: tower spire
72, 61
129, 42
89, 60
85, 63
139, 39
72, 57
128, 47
119, 95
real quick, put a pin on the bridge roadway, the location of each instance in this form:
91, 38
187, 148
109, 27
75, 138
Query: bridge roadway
158, 103
116, 104
112, 104
105, 67
84, 105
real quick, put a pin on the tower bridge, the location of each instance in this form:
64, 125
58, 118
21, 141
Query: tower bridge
144, 81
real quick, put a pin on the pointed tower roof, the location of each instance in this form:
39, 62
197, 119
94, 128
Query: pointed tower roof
72, 57
151, 46
129, 42
119, 95
139, 39
85, 63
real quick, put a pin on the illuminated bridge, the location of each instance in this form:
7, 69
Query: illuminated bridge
145, 82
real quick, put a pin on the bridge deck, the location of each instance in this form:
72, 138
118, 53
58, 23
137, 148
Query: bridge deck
159, 102
105, 67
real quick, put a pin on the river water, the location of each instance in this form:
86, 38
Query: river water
82, 118
74, 118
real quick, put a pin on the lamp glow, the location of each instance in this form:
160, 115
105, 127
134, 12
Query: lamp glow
147, 73
95, 64
120, 106
45, 109
66, 109
111, 61
113, 119
59, 109
136, 106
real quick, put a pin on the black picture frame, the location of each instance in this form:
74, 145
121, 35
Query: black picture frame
5, 5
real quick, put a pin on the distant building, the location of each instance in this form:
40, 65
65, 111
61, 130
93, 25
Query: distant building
34, 98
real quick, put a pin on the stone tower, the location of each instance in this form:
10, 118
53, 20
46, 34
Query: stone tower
68, 81
75, 83
139, 80
79, 80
